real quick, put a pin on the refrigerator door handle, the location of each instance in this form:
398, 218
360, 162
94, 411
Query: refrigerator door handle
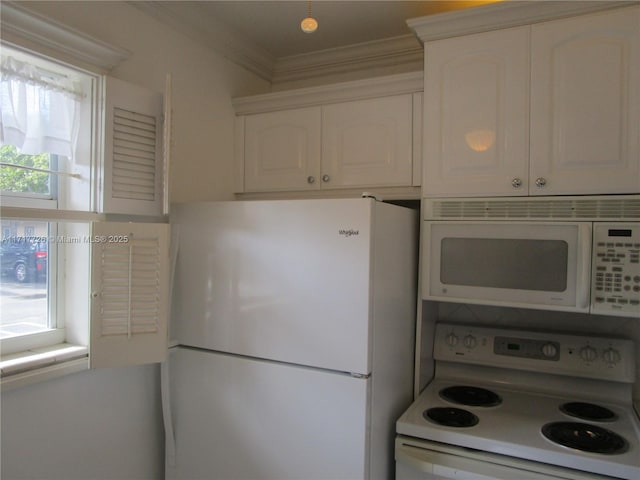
360, 375
170, 441
173, 258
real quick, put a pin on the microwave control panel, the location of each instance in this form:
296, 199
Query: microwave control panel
615, 288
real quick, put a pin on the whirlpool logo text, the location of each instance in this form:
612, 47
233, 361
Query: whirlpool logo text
348, 233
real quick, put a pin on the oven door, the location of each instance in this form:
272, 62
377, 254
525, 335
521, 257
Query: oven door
425, 460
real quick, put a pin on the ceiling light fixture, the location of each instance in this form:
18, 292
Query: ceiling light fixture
309, 24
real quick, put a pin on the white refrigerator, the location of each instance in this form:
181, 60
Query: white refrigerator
294, 322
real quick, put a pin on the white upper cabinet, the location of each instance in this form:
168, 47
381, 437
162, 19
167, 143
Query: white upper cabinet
354, 135
282, 150
349, 144
367, 143
477, 114
585, 104
551, 108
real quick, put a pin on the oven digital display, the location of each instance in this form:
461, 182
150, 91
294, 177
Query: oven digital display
620, 232
526, 348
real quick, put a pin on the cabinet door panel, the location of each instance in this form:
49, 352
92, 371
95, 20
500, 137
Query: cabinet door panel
476, 114
282, 150
368, 142
585, 106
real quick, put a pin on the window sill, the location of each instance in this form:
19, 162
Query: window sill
25, 368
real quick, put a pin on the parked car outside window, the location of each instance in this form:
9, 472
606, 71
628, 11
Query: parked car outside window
24, 260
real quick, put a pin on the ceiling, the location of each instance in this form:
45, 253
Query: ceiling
265, 36
275, 24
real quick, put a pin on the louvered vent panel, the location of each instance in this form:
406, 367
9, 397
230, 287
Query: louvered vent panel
134, 156
588, 208
459, 209
130, 298
625, 209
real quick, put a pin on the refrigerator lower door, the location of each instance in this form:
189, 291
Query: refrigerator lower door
240, 418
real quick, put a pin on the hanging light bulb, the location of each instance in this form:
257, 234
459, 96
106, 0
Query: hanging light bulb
309, 24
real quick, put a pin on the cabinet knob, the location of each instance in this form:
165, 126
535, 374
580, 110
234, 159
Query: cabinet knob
541, 182
326, 178
516, 183
311, 179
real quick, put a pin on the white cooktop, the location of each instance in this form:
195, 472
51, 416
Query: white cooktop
534, 374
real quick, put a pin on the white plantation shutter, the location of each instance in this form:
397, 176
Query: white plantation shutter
133, 150
130, 293
134, 155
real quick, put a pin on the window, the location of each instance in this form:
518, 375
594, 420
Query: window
27, 175
61, 171
47, 114
42, 107
24, 285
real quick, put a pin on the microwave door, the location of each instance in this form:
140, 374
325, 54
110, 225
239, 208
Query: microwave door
531, 265
505, 263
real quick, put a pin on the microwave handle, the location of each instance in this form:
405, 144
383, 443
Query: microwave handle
584, 266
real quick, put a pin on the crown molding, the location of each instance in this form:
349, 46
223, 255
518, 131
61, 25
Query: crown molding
337, 92
28, 29
399, 52
510, 13
196, 24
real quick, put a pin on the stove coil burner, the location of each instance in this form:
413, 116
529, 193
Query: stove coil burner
588, 411
471, 396
450, 417
585, 437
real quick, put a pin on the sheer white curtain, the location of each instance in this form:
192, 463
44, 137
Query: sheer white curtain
39, 110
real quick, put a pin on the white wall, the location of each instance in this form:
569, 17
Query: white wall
100, 424
107, 424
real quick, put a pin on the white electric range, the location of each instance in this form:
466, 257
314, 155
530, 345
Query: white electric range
509, 404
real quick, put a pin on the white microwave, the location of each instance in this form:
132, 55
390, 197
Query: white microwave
569, 266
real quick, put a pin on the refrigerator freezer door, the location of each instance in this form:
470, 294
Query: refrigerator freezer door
239, 418
282, 280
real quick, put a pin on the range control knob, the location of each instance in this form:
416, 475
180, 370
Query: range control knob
470, 341
588, 354
611, 356
452, 339
549, 350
